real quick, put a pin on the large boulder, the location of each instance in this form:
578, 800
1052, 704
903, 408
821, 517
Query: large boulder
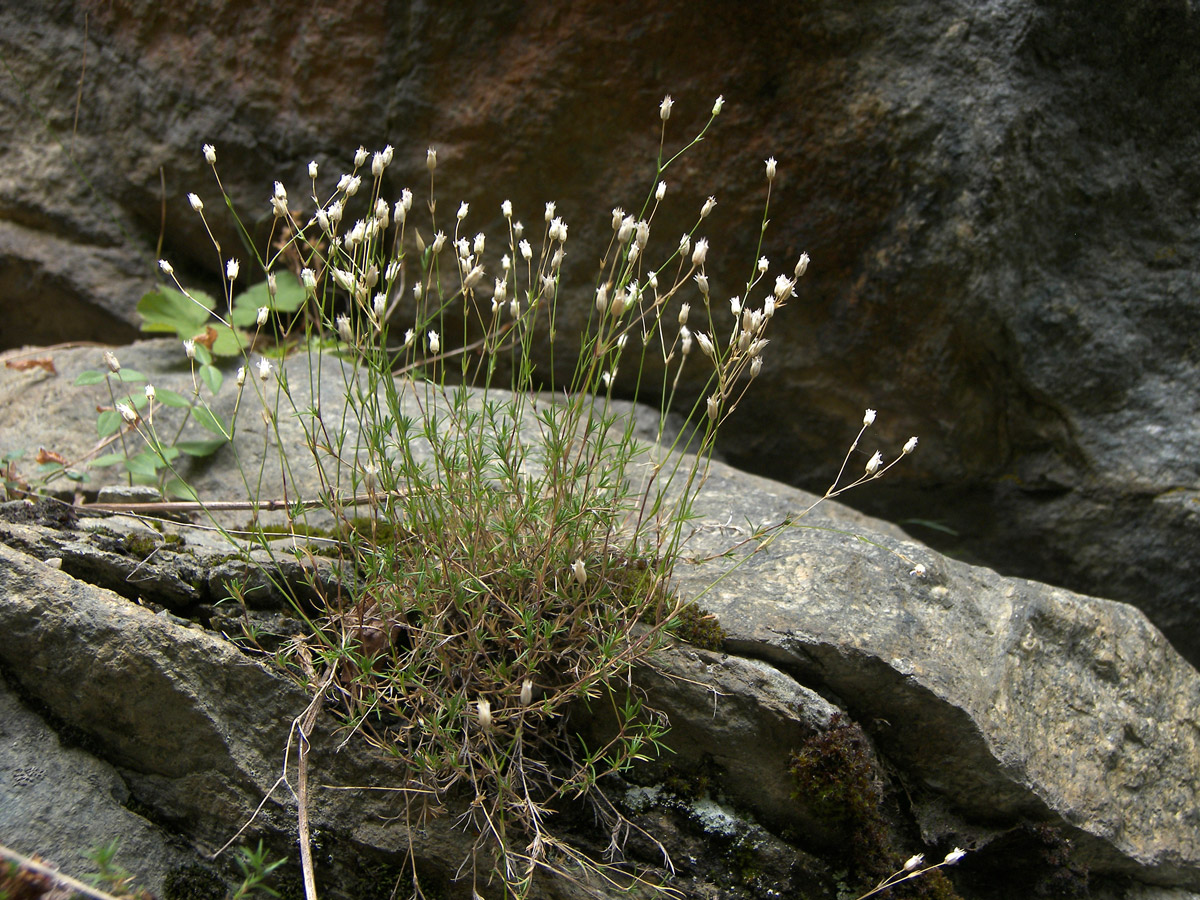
1050, 732
998, 200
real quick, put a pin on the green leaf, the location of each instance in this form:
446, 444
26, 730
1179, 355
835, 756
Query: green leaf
130, 375
170, 398
212, 376
145, 464
89, 377
201, 448
169, 310
289, 297
108, 422
203, 356
180, 489
108, 459
210, 420
76, 475
229, 342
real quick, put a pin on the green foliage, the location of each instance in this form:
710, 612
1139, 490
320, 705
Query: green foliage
699, 627
189, 316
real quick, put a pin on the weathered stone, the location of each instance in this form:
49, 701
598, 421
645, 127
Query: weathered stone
998, 199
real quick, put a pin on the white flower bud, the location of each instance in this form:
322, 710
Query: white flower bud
660, 191
483, 709
579, 572
706, 344
110, 360
196, 203
708, 206
720, 102
261, 318
755, 366
210, 154
735, 306
312, 170
802, 265
264, 368
700, 253
625, 232
714, 407
618, 216
439, 241
360, 156
345, 332
602, 298
526, 692
463, 209
874, 463
683, 313
685, 244
167, 268
550, 207
526, 250
431, 159
784, 288
910, 445
232, 268
189, 348
558, 230
309, 279
379, 305
518, 229
763, 265
241, 376
869, 417
914, 862
473, 277
918, 571
771, 169
641, 233
128, 413
954, 856
435, 343
408, 337
685, 340
151, 394
377, 164
500, 294
702, 283
506, 209
664, 108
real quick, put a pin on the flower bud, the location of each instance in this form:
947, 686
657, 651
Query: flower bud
435, 343
720, 102
210, 154
869, 417
708, 206
664, 108
874, 463
910, 445
312, 170
261, 319
579, 572
110, 360
771, 169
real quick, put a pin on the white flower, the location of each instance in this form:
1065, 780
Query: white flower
514, 306
664, 108
768, 309
735, 306
309, 279
189, 349
518, 229
868, 417
954, 856
702, 283
352, 186
763, 265
210, 154
435, 343
167, 268
264, 368
579, 572
439, 241
918, 571
506, 262
312, 170
625, 232
463, 209
128, 413
387, 154
660, 191
706, 343
408, 337
910, 445
914, 862
683, 313
558, 230
755, 366
526, 692
150, 393
757, 346
771, 169
473, 277
379, 305
526, 250
381, 213
550, 207
784, 288
685, 244
602, 298
500, 294
241, 376
196, 203
232, 268
335, 210
685, 340
261, 319
360, 156
641, 233
720, 101
700, 253
802, 265
714, 407
618, 216
279, 201
343, 279
708, 206
874, 463
506, 209
110, 360
483, 709
345, 332
431, 159
378, 164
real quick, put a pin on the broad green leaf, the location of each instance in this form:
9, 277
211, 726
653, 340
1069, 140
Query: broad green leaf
229, 342
128, 375
180, 489
108, 459
210, 421
89, 377
201, 448
145, 464
168, 307
76, 475
212, 376
108, 422
170, 398
203, 356
289, 297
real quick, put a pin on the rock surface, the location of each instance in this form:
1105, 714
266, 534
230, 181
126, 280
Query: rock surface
999, 201
1018, 719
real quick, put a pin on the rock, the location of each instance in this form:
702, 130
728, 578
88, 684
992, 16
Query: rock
1018, 719
998, 201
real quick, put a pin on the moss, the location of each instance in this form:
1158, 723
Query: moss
699, 627
193, 882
